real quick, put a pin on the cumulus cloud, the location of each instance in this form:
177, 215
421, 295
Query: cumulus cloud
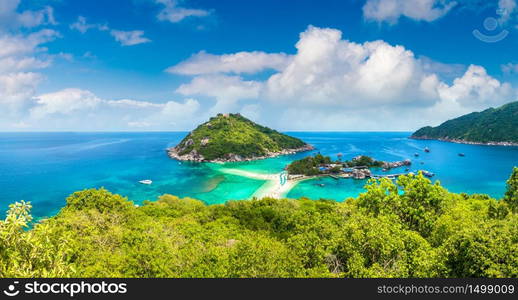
173, 13
64, 102
477, 89
10, 18
240, 62
331, 83
329, 70
420, 10
227, 90
20, 56
125, 38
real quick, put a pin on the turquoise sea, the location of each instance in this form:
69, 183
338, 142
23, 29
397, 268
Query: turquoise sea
46, 167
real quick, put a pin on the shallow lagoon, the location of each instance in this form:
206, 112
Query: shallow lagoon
46, 167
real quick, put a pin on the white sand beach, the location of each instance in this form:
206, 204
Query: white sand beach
271, 188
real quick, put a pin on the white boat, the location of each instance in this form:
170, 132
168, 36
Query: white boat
147, 181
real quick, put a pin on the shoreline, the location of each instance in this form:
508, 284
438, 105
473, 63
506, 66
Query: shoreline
457, 141
196, 157
272, 187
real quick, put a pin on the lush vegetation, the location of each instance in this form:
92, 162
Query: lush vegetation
412, 229
364, 161
234, 134
309, 165
489, 126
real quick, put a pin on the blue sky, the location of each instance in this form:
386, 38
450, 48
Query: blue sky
292, 65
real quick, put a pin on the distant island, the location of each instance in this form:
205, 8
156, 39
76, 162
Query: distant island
493, 126
234, 138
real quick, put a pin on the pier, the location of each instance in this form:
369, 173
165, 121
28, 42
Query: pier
390, 176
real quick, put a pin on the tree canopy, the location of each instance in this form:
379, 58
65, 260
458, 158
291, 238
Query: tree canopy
411, 228
492, 125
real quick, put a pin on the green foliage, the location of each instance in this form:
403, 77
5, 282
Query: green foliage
409, 229
308, 165
44, 251
235, 134
364, 161
491, 125
100, 200
511, 196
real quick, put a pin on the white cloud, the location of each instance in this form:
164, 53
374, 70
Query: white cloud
227, 90
125, 38
16, 89
510, 68
82, 26
420, 10
506, 10
18, 45
329, 70
77, 109
334, 84
477, 89
20, 55
174, 13
10, 18
177, 110
129, 103
129, 38
64, 102
139, 124
251, 111
240, 62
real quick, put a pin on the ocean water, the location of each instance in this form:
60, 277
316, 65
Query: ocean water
45, 168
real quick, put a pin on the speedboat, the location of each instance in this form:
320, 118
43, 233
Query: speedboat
462, 154
426, 149
428, 174
146, 181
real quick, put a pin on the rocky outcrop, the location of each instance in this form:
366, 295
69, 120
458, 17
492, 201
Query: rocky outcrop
397, 164
194, 156
460, 141
361, 173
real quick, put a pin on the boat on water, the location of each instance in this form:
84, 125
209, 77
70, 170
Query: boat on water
416, 154
146, 181
462, 154
427, 150
427, 174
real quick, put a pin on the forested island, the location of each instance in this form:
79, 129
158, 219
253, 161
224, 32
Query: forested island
412, 228
233, 138
493, 126
358, 167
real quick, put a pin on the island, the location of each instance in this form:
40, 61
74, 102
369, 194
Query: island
493, 126
357, 168
234, 138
